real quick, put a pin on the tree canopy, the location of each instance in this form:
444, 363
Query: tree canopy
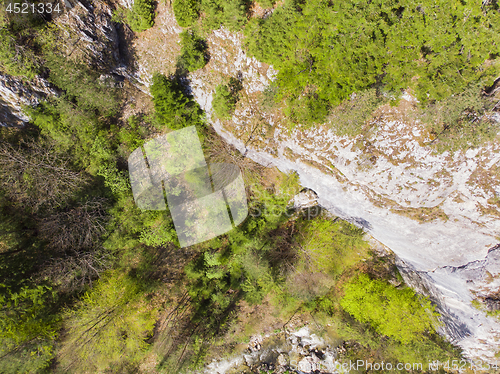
324, 51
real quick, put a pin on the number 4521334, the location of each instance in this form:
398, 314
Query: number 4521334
25, 8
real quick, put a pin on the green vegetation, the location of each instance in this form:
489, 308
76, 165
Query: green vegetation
186, 12
266, 3
15, 59
458, 121
108, 327
193, 52
331, 246
350, 117
225, 99
392, 312
173, 108
230, 13
325, 51
90, 283
27, 329
141, 16
18, 45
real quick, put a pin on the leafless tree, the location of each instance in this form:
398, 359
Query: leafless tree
73, 237
37, 174
76, 269
77, 228
221, 151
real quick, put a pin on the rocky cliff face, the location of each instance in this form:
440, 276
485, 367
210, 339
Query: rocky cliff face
16, 94
85, 34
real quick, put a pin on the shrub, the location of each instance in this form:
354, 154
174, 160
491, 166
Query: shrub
349, 117
186, 12
307, 109
193, 51
269, 98
141, 17
331, 247
16, 59
397, 313
224, 102
457, 122
230, 13
235, 14
82, 85
173, 108
27, 329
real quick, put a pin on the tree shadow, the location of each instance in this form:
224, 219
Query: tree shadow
236, 84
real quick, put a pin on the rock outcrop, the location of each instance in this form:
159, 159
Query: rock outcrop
16, 93
87, 34
297, 351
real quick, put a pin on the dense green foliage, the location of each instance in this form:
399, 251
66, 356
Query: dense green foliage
193, 51
391, 311
15, 59
331, 245
224, 101
173, 107
82, 85
324, 51
108, 327
27, 329
186, 12
350, 117
266, 3
141, 16
230, 13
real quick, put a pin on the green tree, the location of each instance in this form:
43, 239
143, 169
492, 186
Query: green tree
18, 41
350, 117
324, 51
17, 59
27, 328
224, 102
108, 327
331, 247
266, 3
458, 122
193, 51
141, 16
186, 12
230, 13
235, 14
173, 108
82, 85
397, 313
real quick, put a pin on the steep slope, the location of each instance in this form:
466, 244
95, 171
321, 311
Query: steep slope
437, 212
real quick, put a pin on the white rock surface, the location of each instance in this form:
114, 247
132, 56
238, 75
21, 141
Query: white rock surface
16, 94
